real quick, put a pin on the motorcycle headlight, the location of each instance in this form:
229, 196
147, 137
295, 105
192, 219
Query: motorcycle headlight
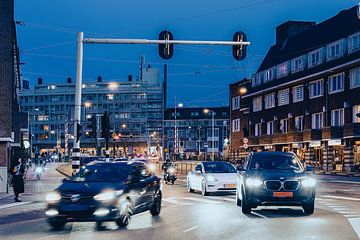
308, 182
53, 197
107, 195
38, 170
211, 178
172, 170
253, 182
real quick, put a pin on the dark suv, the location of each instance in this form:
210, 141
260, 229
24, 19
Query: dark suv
105, 191
274, 179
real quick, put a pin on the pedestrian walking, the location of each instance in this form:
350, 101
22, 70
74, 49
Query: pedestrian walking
17, 172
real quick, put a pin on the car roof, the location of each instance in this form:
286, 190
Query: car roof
217, 162
102, 163
277, 153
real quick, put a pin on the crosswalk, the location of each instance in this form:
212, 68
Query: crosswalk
190, 200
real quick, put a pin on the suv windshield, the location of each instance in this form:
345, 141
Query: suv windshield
96, 173
219, 168
274, 162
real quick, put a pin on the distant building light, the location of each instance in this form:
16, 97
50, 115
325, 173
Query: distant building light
84, 86
52, 87
113, 86
110, 96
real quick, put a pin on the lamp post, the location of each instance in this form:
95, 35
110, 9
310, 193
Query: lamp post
180, 105
123, 127
207, 111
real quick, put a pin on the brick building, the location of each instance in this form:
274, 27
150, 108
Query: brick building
305, 95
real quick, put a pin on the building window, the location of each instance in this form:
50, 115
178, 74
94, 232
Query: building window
336, 83
354, 42
337, 117
284, 125
194, 114
356, 109
315, 58
298, 93
258, 129
283, 69
235, 102
316, 89
270, 128
257, 79
317, 121
355, 78
269, 74
270, 100
42, 118
297, 64
299, 123
283, 96
334, 50
236, 125
257, 104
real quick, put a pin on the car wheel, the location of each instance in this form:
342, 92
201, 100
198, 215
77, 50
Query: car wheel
245, 206
238, 201
156, 207
172, 182
189, 189
309, 207
57, 224
100, 226
203, 189
125, 214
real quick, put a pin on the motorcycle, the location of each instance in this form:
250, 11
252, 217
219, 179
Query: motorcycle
169, 175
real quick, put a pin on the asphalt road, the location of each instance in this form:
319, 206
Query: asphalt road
193, 216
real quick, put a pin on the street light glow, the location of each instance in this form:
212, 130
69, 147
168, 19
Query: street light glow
123, 126
87, 104
243, 90
180, 105
113, 86
52, 132
206, 111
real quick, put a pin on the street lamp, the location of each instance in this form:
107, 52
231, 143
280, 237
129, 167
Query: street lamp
242, 90
207, 111
88, 104
180, 105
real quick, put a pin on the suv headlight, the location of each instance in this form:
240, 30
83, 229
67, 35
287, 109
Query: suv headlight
53, 197
211, 178
253, 182
308, 182
107, 195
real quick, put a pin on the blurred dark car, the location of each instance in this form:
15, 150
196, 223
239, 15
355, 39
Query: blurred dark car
275, 179
123, 159
105, 191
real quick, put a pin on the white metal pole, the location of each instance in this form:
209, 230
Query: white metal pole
213, 135
175, 134
79, 65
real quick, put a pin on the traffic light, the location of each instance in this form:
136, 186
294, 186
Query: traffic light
239, 51
78, 131
105, 126
166, 51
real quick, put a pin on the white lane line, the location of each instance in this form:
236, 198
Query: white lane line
340, 181
190, 229
352, 216
9, 205
343, 198
355, 223
170, 200
201, 200
258, 214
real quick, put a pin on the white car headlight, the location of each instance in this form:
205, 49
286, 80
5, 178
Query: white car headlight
253, 182
53, 197
107, 195
211, 178
308, 182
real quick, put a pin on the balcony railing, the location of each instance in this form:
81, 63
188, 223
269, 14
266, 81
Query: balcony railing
312, 134
352, 129
332, 132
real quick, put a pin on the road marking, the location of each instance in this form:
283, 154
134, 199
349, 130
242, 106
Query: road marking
202, 200
351, 216
340, 181
190, 229
257, 214
170, 200
355, 223
343, 198
82, 231
13, 204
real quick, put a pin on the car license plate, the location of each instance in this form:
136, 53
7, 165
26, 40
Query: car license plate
74, 207
230, 185
283, 194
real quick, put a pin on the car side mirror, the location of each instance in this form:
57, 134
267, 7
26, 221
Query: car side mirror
309, 168
240, 168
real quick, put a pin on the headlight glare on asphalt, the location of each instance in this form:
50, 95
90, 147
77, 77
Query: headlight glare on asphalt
211, 178
308, 182
53, 197
253, 182
107, 196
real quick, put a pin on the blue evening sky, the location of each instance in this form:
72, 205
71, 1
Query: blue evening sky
198, 75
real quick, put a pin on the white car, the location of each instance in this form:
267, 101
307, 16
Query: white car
209, 177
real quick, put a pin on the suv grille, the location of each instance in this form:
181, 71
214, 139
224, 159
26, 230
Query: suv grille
277, 185
273, 185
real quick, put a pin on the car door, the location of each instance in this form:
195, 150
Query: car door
138, 188
198, 176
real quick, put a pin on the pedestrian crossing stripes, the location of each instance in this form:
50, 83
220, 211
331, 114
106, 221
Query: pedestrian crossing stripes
16, 204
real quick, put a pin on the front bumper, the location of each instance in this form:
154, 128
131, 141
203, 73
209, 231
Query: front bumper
263, 197
221, 186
